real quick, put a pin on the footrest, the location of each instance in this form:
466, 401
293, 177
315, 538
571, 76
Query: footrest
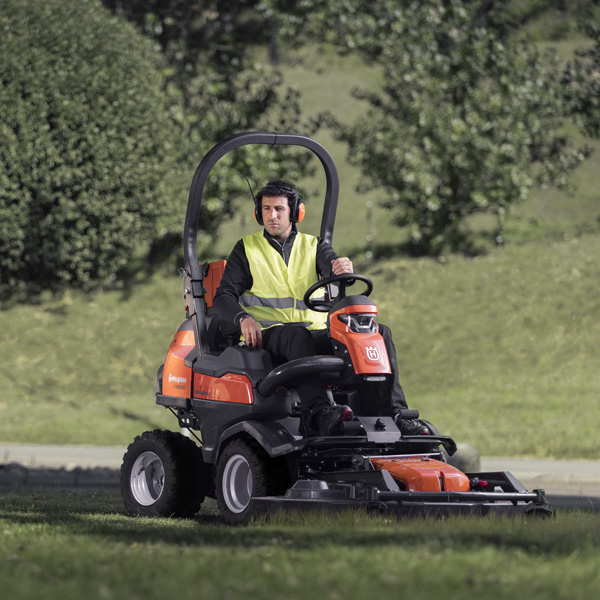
351, 428
408, 413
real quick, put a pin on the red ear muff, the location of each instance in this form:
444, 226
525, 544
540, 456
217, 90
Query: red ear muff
258, 212
300, 212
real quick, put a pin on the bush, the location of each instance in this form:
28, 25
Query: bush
85, 141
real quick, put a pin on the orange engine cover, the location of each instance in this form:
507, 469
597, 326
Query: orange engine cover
367, 350
422, 474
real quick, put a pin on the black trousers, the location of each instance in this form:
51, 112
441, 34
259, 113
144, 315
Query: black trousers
291, 341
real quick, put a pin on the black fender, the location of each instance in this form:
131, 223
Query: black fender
273, 436
448, 447
299, 368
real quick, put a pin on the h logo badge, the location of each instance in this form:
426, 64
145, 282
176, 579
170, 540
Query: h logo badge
372, 353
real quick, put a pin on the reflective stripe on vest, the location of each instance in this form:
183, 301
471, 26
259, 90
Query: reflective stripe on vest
278, 289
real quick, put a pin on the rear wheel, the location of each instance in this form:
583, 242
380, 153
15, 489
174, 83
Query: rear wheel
163, 475
245, 470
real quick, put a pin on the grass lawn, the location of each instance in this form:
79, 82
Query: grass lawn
69, 546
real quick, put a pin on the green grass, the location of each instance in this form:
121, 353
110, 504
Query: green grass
68, 546
83, 369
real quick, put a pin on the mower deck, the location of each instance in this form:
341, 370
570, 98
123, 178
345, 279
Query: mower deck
385, 497
385, 472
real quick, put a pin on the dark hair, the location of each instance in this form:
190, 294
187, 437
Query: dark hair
280, 187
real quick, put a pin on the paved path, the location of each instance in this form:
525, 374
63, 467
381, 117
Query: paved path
555, 476
568, 482
68, 457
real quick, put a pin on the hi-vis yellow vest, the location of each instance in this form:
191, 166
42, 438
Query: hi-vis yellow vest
278, 289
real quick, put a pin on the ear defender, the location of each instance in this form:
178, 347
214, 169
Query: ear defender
258, 214
299, 211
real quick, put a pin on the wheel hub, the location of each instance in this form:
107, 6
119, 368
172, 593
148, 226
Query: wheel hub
147, 478
237, 484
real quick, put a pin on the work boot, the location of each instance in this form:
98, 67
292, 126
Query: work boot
411, 427
330, 419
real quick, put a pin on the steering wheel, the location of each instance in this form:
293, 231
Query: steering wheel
344, 280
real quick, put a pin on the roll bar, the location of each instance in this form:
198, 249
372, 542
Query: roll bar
194, 273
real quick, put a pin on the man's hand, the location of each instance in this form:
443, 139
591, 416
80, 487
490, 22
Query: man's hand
251, 332
342, 265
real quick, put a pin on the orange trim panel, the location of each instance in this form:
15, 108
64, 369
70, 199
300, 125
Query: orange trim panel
422, 474
228, 388
177, 377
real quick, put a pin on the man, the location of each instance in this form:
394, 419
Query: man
262, 292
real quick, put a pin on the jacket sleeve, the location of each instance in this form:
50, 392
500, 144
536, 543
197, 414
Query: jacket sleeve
325, 254
235, 281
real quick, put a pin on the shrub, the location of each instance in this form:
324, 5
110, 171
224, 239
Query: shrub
85, 141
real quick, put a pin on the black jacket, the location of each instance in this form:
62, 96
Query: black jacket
237, 277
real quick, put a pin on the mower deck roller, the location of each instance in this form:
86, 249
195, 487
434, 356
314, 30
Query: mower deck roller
244, 412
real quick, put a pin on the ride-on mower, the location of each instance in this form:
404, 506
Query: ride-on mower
244, 410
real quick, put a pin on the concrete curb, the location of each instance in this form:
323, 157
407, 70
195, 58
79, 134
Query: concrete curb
14, 477
35, 456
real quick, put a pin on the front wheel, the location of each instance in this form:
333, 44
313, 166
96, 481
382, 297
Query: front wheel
163, 475
245, 470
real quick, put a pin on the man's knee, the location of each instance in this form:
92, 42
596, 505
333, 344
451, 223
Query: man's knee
386, 334
296, 341
385, 331
300, 337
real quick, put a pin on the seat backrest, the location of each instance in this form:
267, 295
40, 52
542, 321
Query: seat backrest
212, 279
219, 337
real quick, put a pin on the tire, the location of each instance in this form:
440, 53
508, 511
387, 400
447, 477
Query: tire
245, 470
163, 475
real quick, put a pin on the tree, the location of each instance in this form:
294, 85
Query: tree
218, 88
85, 143
581, 79
205, 44
468, 118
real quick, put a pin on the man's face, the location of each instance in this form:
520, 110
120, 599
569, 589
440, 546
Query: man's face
276, 216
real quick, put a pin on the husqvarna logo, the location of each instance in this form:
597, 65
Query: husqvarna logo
372, 353
173, 379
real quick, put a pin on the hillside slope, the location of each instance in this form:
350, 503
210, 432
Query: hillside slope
499, 351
